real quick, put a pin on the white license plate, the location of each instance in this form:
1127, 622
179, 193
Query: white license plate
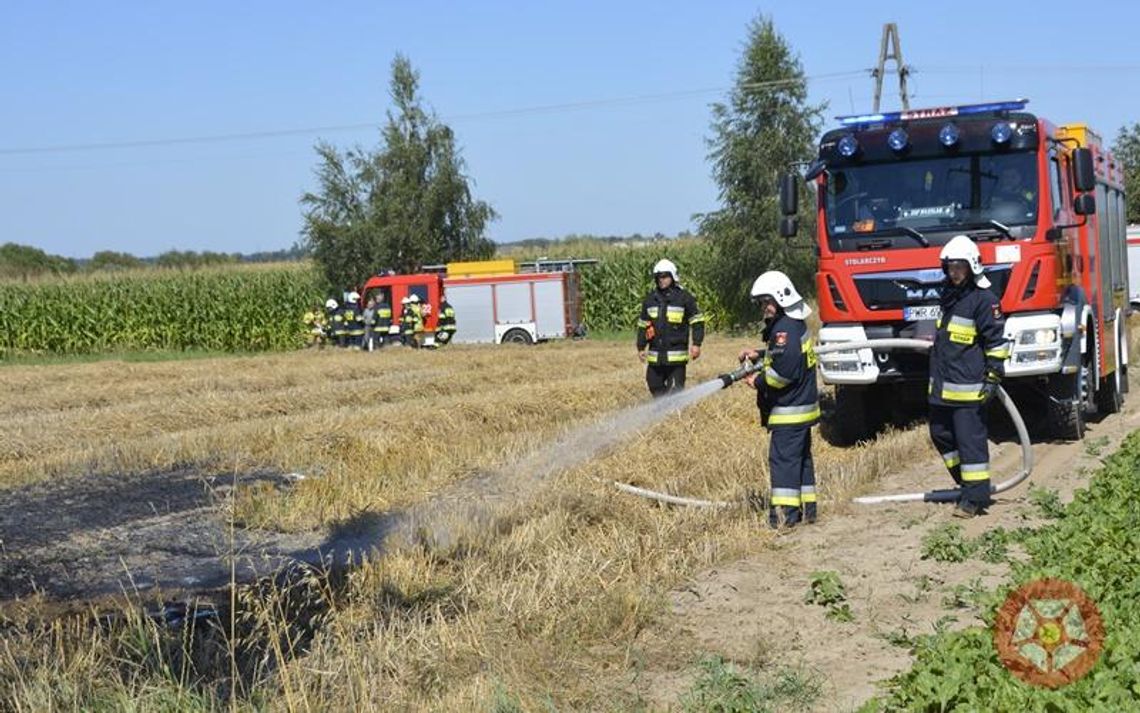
922, 313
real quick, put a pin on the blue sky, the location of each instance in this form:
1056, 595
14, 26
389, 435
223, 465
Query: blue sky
80, 73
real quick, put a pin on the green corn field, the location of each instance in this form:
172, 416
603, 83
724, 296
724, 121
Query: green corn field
612, 290
237, 308
258, 307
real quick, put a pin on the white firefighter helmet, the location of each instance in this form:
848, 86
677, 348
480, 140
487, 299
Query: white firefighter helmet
413, 298
779, 287
353, 296
961, 247
405, 300
665, 266
331, 304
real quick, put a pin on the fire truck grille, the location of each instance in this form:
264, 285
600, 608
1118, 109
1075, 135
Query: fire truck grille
895, 290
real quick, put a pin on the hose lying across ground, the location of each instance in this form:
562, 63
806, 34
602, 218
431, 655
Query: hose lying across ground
938, 496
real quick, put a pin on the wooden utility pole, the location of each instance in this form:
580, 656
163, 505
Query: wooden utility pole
891, 37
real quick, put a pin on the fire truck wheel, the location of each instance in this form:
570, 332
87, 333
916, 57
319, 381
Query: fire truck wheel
517, 336
850, 418
1067, 407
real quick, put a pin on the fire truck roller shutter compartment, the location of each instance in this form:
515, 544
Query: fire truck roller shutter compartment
474, 312
549, 305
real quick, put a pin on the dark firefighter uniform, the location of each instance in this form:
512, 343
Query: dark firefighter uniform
445, 328
667, 316
788, 398
340, 319
968, 355
352, 323
411, 324
381, 323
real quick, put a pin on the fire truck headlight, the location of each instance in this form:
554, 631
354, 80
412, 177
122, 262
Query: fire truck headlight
848, 146
1001, 133
1037, 337
898, 140
948, 136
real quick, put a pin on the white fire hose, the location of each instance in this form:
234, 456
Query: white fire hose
936, 496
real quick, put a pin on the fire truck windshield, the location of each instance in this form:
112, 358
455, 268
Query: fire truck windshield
936, 197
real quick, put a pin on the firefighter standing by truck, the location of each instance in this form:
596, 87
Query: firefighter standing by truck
788, 397
668, 315
411, 321
445, 327
966, 368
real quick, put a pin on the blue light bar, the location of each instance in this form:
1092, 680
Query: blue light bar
934, 113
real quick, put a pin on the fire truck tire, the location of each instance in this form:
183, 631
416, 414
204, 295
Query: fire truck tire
1066, 408
850, 419
517, 336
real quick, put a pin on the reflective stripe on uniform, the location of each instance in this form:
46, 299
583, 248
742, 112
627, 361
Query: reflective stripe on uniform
383, 312
808, 350
1001, 352
642, 323
652, 312
961, 392
962, 330
675, 314
789, 497
698, 317
677, 357
807, 493
772, 378
791, 415
951, 459
973, 472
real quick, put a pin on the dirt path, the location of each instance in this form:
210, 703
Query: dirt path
753, 610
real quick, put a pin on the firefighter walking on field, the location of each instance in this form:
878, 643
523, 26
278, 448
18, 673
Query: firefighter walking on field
788, 397
411, 321
668, 315
967, 363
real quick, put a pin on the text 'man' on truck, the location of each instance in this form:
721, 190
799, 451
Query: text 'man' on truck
1044, 202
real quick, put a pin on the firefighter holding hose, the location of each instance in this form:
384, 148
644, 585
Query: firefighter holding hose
788, 397
668, 315
967, 363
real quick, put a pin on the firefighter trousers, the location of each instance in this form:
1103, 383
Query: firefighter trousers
793, 475
960, 435
664, 380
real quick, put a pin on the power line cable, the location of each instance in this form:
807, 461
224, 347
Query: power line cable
277, 133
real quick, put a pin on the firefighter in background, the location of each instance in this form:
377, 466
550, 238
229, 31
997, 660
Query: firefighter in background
788, 397
314, 325
967, 363
339, 325
411, 321
668, 314
329, 324
445, 327
381, 320
353, 321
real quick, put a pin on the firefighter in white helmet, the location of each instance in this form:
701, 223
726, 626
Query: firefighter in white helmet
668, 315
788, 397
353, 321
966, 366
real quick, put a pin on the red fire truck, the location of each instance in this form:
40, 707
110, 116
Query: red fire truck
493, 301
1045, 204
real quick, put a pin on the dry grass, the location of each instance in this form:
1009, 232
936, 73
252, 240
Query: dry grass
558, 604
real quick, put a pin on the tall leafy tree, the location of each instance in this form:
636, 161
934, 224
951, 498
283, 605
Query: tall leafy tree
764, 127
1127, 149
402, 205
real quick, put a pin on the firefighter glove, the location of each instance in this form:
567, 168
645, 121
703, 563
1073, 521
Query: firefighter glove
990, 385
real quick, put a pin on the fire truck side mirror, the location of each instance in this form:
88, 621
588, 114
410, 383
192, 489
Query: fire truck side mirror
789, 194
789, 225
1084, 177
1084, 204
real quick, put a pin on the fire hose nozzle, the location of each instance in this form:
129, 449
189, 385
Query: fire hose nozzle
744, 370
